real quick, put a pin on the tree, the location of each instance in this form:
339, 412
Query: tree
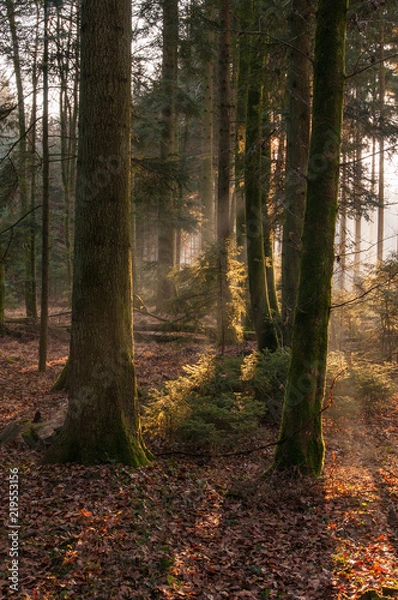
301, 442
102, 421
45, 255
298, 134
258, 284
166, 227
29, 283
226, 332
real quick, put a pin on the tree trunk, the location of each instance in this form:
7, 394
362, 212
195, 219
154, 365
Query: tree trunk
245, 21
298, 132
102, 422
29, 285
301, 443
207, 174
45, 255
226, 332
2, 288
167, 209
67, 64
258, 288
342, 256
33, 172
382, 94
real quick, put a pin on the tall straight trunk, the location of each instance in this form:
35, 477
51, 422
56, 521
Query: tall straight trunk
270, 266
33, 172
45, 253
358, 182
68, 125
225, 330
102, 422
29, 290
382, 95
266, 169
342, 257
298, 133
245, 20
166, 226
301, 444
2, 288
207, 173
258, 288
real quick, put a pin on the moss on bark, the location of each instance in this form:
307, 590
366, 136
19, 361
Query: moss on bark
301, 441
102, 421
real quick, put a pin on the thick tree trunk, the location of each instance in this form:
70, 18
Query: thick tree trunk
298, 132
301, 443
102, 422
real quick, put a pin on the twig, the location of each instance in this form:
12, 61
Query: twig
11, 227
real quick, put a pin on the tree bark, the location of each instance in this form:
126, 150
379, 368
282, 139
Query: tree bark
29, 285
382, 100
45, 254
301, 444
298, 133
226, 330
102, 422
207, 171
258, 285
167, 209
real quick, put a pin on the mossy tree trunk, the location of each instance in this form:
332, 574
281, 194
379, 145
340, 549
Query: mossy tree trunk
301, 443
258, 288
298, 133
102, 421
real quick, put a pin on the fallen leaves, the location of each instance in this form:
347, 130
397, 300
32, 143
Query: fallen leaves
178, 529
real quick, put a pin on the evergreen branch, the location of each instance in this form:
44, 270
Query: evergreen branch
265, 446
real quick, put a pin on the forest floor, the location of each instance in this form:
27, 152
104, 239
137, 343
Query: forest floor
205, 529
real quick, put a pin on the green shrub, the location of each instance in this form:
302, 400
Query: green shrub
266, 373
218, 401
363, 387
374, 385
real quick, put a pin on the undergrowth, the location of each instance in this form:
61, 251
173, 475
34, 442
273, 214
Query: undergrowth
218, 401
364, 387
